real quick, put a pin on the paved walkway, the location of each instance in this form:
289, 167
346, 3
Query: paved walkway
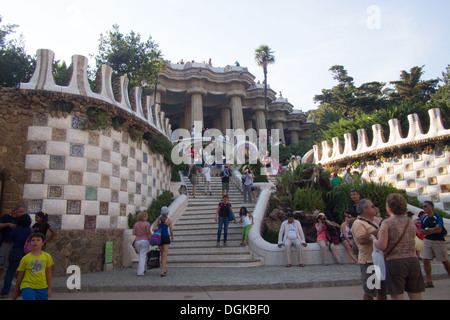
223, 279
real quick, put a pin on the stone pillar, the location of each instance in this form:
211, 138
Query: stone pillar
236, 112
294, 137
260, 120
197, 109
248, 124
225, 117
196, 94
188, 118
280, 127
217, 123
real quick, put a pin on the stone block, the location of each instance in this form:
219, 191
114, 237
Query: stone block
74, 192
56, 177
76, 164
39, 133
58, 148
72, 222
105, 168
77, 136
90, 207
103, 222
37, 162
104, 194
54, 207
93, 152
62, 123
34, 191
105, 142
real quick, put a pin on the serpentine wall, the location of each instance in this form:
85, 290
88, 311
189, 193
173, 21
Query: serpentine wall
87, 181
422, 170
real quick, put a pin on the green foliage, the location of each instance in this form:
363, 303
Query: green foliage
338, 199
128, 55
117, 123
165, 199
62, 73
97, 119
15, 64
256, 169
271, 236
136, 135
308, 200
61, 106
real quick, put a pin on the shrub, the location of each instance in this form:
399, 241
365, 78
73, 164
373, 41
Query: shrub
308, 200
338, 199
165, 199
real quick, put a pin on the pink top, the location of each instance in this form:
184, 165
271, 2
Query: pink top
141, 230
322, 235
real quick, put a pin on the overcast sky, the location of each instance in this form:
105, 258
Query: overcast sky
374, 40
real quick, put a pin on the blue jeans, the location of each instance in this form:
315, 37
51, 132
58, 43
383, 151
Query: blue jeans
34, 294
14, 262
223, 223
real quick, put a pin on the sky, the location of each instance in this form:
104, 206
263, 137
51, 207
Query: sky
374, 40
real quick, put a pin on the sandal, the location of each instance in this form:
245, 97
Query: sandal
301, 265
429, 284
218, 244
288, 266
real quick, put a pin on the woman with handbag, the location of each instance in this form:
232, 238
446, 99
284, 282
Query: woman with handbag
396, 239
165, 224
141, 230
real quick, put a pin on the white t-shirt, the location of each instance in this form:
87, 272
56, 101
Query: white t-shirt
246, 220
292, 235
206, 171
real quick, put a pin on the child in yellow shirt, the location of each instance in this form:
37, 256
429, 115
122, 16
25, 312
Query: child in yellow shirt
35, 274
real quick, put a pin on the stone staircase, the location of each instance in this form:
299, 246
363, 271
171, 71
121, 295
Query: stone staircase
195, 232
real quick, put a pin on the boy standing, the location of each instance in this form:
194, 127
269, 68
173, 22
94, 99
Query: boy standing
35, 273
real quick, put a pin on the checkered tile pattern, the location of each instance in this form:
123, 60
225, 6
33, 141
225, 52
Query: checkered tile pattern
89, 179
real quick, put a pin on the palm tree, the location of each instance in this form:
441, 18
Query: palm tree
411, 88
263, 57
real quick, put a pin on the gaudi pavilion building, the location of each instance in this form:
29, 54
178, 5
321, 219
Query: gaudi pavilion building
224, 98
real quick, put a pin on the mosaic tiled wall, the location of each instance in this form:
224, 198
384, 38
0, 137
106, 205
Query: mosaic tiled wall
89, 179
424, 176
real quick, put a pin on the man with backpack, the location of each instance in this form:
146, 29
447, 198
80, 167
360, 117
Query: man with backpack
223, 214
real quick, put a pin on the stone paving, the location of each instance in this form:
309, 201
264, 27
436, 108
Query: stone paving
230, 279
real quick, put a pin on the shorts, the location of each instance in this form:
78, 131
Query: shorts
193, 179
165, 240
367, 278
225, 186
434, 249
34, 294
404, 274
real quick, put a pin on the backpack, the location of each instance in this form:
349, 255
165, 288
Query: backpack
230, 213
27, 245
333, 235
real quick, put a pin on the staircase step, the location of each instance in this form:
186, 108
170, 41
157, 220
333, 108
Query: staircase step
195, 231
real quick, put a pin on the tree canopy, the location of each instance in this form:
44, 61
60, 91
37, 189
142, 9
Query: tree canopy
128, 55
16, 65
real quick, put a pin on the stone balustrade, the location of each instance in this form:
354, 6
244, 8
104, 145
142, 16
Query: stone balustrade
114, 94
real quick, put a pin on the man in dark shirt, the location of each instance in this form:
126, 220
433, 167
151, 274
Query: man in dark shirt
7, 222
223, 218
434, 246
225, 175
